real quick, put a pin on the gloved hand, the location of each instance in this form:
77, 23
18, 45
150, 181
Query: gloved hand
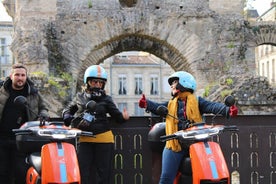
83, 125
143, 102
67, 118
233, 111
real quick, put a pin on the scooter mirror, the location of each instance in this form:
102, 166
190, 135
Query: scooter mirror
91, 105
229, 101
20, 101
162, 110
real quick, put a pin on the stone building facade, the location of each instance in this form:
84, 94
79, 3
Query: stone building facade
6, 56
266, 54
130, 75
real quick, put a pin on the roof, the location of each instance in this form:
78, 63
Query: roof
252, 13
136, 59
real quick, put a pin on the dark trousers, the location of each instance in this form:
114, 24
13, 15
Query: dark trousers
13, 167
95, 161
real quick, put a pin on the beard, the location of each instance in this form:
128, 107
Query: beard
19, 85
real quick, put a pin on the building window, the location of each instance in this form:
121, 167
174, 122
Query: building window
138, 85
122, 106
4, 74
122, 85
267, 71
273, 71
137, 110
266, 50
123, 57
263, 67
154, 85
3, 42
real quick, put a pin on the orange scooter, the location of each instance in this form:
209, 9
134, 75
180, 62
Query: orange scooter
206, 163
51, 147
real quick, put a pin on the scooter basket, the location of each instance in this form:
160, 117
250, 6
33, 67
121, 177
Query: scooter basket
31, 143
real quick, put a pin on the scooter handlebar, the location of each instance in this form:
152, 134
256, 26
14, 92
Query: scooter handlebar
232, 128
199, 133
165, 138
22, 132
85, 133
53, 132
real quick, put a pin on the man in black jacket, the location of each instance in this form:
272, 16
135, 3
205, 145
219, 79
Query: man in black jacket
13, 167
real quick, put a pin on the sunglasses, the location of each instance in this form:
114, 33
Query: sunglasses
174, 82
97, 81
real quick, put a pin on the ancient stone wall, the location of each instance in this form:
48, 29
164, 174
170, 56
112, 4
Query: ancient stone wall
187, 34
253, 94
210, 39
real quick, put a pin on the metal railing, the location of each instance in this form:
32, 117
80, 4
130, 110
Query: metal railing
250, 153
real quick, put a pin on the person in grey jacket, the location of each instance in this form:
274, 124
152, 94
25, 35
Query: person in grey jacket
13, 167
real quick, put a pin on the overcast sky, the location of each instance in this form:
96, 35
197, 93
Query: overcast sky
3, 14
260, 5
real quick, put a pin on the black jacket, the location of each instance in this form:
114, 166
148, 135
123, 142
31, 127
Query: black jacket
34, 99
104, 106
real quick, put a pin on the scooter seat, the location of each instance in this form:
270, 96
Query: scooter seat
35, 161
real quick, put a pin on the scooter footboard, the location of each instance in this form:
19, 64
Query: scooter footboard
208, 162
59, 163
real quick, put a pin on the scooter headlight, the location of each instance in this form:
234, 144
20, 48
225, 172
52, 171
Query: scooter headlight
57, 133
202, 136
59, 136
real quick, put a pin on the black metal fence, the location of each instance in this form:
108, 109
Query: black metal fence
250, 153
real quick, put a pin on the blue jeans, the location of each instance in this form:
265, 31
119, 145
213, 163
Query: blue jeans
170, 164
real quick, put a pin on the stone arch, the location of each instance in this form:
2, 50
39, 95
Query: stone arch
177, 57
192, 30
260, 33
99, 33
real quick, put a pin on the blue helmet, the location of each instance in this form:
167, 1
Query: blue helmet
95, 71
186, 80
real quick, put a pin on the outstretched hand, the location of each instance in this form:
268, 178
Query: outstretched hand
233, 111
125, 114
143, 102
